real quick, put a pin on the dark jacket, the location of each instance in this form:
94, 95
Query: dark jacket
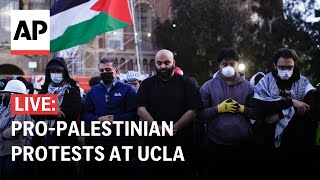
70, 107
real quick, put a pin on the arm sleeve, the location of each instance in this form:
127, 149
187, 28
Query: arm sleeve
208, 112
142, 96
265, 108
89, 109
7, 133
250, 110
71, 105
192, 96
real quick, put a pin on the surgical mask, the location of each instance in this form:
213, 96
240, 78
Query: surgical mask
56, 77
107, 77
285, 74
228, 71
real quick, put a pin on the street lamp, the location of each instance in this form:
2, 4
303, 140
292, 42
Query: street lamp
241, 67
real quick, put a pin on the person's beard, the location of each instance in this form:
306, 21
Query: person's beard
165, 73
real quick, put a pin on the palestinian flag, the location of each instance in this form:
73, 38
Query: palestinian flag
75, 22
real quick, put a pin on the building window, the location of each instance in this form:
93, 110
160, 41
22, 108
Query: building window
115, 40
152, 65
144, 25
101, 43
130, 65
5, 7
113, 44
39, 4
145, 65
123, 67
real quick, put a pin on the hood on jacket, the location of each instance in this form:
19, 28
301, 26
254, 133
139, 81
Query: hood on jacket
58, 63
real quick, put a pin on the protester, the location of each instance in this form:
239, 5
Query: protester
11, 169
227, 100
58, 81
167, 97
285, 104
94, 81
111, 100
134, 79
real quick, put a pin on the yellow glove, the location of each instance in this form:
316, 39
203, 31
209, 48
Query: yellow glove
241, 108
228, 106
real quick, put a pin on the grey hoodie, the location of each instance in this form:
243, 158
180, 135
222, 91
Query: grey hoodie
227, 128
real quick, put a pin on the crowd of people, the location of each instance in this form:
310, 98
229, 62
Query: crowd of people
227, 127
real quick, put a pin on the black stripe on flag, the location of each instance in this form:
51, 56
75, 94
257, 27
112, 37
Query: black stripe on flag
63, 5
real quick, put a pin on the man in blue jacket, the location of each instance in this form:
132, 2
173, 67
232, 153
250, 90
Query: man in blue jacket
110, 100
227, 101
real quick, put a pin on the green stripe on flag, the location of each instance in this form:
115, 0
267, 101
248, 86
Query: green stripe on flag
84, 32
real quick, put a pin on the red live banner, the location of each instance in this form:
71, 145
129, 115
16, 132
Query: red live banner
36, 104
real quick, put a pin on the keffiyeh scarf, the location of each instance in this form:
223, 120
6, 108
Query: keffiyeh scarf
60, 92
5, 116
267, 90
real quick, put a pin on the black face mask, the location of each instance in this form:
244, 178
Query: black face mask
165, 73
107, 77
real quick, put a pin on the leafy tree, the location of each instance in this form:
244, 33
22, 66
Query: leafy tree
203, 27
201, 32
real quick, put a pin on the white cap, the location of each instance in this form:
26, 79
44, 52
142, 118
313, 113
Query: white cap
15, 86
132, 76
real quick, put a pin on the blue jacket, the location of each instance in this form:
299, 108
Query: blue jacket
121, 102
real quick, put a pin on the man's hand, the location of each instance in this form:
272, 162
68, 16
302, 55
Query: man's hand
228, 106
240, 108
301, 106
61, 114
106, 118
175, 129
272, 119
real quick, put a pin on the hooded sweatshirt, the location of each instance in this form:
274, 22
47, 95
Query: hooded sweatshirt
227, 128
70, 107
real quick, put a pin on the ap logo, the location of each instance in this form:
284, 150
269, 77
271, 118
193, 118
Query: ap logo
30, 32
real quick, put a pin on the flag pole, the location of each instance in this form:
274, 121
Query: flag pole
135, 34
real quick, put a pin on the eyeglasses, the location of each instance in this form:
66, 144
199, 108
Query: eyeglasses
225, 64
285, 67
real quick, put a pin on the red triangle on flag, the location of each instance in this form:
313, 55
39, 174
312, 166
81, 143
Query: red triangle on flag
116, 8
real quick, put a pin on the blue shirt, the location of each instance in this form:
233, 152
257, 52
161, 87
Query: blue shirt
119, 99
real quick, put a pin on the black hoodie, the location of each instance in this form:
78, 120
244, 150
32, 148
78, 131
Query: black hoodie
70, 105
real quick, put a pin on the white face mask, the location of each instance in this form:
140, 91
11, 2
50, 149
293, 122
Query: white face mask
285, 74
228, 71
56, 77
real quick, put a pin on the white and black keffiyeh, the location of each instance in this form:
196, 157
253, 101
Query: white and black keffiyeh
267, 90
60, 91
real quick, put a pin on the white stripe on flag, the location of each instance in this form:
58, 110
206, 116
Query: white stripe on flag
61, 21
